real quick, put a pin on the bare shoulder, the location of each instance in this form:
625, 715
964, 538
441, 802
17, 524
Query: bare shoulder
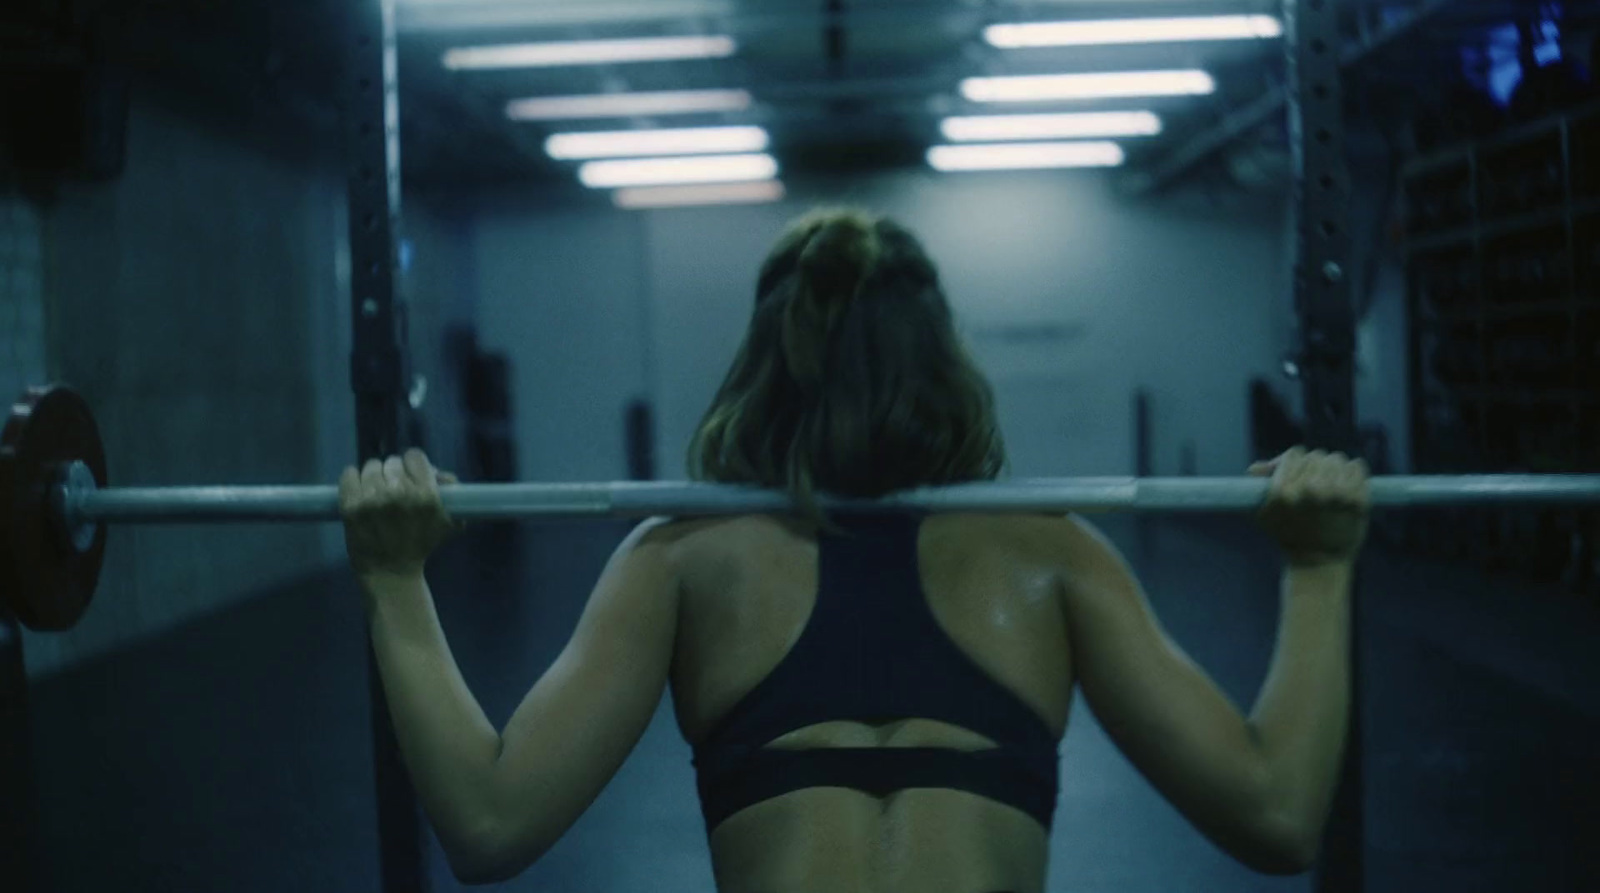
1039, 534
1041, 538
691, 529
1069, 544
687, 540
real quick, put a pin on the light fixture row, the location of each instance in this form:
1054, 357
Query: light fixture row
1095, 32
753, 178
728, 165
613, 161
591, 145
1011, 89
704, 165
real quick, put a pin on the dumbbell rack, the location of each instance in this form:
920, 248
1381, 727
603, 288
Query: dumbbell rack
1503, 281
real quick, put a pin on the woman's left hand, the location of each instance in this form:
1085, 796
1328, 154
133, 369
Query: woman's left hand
393, 517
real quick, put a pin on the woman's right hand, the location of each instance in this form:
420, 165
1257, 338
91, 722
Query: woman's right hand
1316, 507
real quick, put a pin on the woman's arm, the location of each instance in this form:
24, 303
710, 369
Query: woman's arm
1259, 787
1171, 720
1301, 716
449, 746
499, 801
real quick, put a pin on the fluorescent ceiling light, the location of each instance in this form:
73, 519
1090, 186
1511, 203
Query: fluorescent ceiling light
673, 171
686, 196
1018, 156
992, 128
1152, 30
640, 143
1102, 85
589, 52
628, 105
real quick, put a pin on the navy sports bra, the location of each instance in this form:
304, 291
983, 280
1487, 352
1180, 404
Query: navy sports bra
872, 651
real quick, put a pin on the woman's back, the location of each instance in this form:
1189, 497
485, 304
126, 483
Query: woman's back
750, 585
876, 703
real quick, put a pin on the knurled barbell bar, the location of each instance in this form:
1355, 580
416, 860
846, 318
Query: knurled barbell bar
56, 503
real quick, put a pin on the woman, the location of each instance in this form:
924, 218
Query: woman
875, 703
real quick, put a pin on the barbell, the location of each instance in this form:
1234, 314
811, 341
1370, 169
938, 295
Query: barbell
55, 501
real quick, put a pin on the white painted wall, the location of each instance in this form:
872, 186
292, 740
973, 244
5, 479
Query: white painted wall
1071, 296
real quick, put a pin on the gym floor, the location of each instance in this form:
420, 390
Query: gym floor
234, 754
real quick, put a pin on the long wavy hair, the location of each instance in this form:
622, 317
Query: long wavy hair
851, 379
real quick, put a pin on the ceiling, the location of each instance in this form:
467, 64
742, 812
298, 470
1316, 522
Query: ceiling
865, 85
839, 84
856, 83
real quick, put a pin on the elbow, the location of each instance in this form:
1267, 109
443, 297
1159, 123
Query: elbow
481, 869
1283, 860
1282, 847
477, 866
485, 857
473, 871
472, 875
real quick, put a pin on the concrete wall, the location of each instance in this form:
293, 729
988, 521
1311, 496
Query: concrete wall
22, 333
1070, 295
180, 299
201, 303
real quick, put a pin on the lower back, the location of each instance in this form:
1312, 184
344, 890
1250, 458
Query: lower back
912, 841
